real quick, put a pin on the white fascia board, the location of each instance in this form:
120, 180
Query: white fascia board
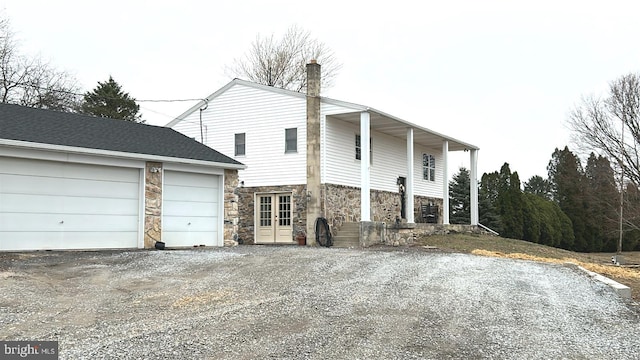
345, 104
116, 154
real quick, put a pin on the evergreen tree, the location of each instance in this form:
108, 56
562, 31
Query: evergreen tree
488, 200
545, 223
568, 189
109, 101
459, 197
537, 185
510, 204
603, 203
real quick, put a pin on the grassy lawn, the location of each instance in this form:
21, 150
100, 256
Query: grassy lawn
518, 249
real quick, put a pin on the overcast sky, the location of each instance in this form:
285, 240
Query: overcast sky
502, 75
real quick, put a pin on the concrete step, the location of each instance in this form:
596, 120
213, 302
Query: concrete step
348, 236
354, 234
346, 244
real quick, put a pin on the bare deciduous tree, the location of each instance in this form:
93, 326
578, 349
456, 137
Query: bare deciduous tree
282, 63
597, 124
30, 81
610, 126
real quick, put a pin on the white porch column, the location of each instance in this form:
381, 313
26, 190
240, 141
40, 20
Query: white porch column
409, 190
473, 160
445, 183
365, 168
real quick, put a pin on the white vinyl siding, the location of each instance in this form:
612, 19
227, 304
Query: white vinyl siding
390, 155
263, 116
62, 205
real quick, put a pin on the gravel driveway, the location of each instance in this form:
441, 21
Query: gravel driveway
256, 302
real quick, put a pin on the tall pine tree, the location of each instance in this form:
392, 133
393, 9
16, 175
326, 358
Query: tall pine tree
488, 200
510, 204
459, 197
602, 203
568, 187
109, 101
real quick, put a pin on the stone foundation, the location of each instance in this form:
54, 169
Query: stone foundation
403, 234
246, 210
152, 203
342, 204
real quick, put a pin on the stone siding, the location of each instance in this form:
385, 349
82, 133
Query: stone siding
246, 210
342, 205
231, 208
152, 203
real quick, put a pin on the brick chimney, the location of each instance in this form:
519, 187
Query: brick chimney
314, 205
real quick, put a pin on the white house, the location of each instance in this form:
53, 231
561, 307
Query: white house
309, 156
71, 181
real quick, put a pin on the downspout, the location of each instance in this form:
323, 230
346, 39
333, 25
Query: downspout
206, 105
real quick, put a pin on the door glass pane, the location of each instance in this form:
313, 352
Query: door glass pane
265, 211
284, 217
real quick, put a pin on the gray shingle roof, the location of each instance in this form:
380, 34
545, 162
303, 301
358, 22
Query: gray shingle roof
83, 131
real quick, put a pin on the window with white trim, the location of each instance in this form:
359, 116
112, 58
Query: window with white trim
359, 149
239, 144
291, 140
428, 167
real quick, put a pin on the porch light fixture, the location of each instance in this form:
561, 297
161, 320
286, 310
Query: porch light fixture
308, 196
155, 169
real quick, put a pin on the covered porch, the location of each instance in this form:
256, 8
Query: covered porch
369, 120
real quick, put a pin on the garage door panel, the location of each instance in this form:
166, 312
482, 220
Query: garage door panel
190, 179
25, 203
16, 222
35, 240
101, 240
179, 239
42, 185
190, 193
75, 240
112, 189
185, 208
101, 206
189, 223
37, 168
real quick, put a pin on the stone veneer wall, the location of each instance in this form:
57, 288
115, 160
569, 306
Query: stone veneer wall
231, 208
246, 209
424, 200
152, 203
342, 204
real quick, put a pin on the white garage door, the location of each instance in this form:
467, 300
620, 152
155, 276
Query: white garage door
55, 205
190, 208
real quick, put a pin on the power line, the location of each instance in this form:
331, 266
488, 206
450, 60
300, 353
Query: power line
77, 94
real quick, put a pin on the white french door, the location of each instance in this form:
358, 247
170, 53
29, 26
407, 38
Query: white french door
273, 218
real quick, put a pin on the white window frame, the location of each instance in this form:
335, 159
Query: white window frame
294, 140
244, 144
358, 148
428, 167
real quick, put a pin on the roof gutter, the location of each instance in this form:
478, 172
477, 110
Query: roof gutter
117, 154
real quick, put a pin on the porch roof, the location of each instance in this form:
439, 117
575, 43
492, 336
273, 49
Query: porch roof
391, 125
